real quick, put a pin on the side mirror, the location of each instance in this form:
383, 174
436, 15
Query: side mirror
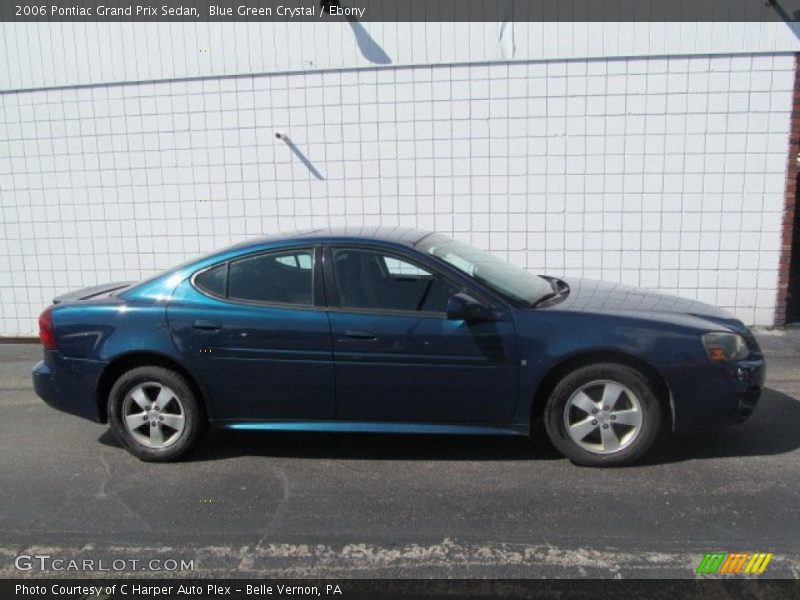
463, 307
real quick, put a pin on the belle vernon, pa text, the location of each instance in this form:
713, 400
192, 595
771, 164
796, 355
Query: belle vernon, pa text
212, 589
192, 11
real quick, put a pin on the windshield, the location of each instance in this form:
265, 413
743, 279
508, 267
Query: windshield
513, 283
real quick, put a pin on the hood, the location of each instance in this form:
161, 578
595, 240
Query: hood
589, 296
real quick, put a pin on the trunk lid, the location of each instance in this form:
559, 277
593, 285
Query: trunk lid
89, 293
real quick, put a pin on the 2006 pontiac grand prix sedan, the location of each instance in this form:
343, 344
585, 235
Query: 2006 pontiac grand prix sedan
396, 331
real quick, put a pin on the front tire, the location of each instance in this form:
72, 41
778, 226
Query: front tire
154, 414
603, 415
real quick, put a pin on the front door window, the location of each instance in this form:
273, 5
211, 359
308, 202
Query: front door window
373, 280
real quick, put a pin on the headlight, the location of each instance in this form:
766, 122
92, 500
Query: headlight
725, 347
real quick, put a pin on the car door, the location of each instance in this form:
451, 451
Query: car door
256, 331
398, 358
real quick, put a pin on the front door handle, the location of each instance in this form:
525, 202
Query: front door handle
206, 325
355, 334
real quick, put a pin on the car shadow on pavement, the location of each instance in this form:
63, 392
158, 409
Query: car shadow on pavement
773, 429
222, 444
363, 446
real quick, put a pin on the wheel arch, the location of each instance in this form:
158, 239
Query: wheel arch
131, 360
583, 359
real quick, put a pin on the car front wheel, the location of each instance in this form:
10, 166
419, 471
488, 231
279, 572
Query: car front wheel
154, 414
603, 415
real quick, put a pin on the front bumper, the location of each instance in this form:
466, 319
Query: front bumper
68, 385
706, 396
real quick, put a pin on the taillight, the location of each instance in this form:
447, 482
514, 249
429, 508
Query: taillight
46, 329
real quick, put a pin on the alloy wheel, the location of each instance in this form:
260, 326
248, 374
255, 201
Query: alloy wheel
153, 414
603, 417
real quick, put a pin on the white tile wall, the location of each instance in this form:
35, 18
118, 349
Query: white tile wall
667, 173
48, 54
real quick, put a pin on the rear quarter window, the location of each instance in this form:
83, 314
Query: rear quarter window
212, 281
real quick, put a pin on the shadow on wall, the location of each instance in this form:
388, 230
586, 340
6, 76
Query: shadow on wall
303, 158
369, 47
790, 19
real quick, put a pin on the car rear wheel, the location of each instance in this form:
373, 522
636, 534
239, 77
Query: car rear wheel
154, 414
603, 415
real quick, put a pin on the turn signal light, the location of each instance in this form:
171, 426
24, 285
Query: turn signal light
723, 346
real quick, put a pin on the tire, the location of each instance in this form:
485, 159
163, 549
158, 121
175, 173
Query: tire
168, 431
633, 417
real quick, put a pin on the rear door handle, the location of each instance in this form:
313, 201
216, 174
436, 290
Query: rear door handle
206, 325
355, 334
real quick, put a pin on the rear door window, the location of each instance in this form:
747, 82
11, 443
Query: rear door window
277, 277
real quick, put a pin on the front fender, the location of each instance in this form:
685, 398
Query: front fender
548, 340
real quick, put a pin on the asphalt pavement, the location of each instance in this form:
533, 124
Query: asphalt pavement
340, 505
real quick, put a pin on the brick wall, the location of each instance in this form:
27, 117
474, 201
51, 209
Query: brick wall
789, 226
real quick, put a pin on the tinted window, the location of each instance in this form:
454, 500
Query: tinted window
284, 277
213, 280
302, 261
395, 266
367, 279
513, 282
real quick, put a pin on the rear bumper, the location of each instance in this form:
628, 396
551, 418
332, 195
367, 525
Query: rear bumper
68, 385
707, 396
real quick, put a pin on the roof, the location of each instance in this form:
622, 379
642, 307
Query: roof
399, 235
408, 236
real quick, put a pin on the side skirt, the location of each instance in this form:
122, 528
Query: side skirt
375, 427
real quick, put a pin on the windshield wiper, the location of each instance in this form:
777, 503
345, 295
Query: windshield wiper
560, 288
545, 298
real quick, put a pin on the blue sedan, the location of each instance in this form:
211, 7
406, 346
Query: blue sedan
396, 331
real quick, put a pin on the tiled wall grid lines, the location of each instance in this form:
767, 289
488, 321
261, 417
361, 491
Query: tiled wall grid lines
665, 173
47, 54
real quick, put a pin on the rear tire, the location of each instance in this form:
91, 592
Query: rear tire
154, 414
603, 415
